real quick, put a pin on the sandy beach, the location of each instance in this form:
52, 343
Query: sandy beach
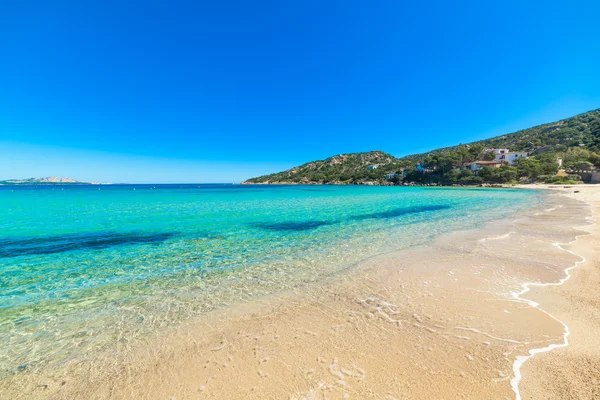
303, 200
572, 372
455, 319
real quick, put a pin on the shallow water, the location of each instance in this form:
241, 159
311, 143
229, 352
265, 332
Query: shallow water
86, 266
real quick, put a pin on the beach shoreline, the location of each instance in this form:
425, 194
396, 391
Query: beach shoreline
572, 371
409, 324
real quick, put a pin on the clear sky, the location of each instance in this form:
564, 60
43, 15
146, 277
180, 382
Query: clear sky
219, 91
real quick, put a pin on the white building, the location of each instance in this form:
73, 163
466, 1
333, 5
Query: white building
506, 156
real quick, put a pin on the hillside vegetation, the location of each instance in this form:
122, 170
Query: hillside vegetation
576, 140
340, 168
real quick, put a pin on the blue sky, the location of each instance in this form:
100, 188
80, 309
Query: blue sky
222, 91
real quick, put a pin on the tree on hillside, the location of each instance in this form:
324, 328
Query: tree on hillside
489, 156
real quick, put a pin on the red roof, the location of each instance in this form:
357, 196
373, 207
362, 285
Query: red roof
487, 162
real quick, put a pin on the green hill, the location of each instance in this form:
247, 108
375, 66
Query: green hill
582, 129
576, 140
341, 168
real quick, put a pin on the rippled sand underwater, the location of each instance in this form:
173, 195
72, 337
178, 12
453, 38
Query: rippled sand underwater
122, 265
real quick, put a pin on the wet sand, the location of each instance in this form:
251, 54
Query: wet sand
572, 372
441, 321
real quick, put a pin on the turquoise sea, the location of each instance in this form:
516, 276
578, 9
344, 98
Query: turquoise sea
84, 267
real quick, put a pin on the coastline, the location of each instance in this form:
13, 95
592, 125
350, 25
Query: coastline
375, 183
571, 371
407, 324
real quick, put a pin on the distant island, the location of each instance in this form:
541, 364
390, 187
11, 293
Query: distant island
565, 151
50, 180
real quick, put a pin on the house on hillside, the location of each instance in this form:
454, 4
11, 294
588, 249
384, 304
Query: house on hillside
374, 166
495, 151
510, 157
506, 156
477, 165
